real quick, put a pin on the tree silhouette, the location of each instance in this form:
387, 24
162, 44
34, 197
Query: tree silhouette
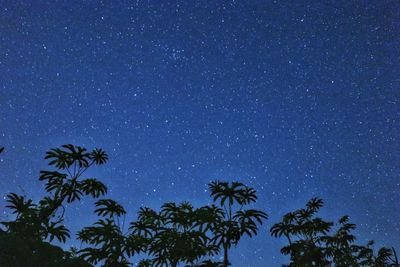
231, 225
183, 234
175, 233
39, 221
36, 222
310, 241
109, 245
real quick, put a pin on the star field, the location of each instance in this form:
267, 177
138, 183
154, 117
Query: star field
297, 99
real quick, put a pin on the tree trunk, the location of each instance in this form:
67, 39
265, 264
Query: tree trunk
49, 212
226, 261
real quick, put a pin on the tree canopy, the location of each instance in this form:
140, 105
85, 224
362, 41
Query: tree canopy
179, 234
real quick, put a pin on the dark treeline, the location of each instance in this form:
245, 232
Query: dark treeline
176, 235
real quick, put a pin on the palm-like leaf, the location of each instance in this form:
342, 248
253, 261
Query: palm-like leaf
109, 207
59, 158
315, 204
248, 220
179, 216
134, 244
18, 204
247, 195
226, 234
224, 191
78, 154
149, 216
142, 228
208, 217
93, 187
103, 232
58, 231
93, 255
98, 156
69, 154
54, 180
281, 229
71, 190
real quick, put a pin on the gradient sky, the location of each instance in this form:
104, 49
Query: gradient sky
295, 98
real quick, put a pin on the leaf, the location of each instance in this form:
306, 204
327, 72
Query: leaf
55, 230
54, 179
18, 203
109, 207
71, 190
99, 156
78, 154
59, 158
315, 204
93, 187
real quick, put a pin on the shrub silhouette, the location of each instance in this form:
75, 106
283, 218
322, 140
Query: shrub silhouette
16, 251
310, 241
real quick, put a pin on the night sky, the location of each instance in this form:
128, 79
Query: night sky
295, 98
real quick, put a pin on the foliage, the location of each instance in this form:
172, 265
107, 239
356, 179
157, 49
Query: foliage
108, 244
183, 234
311, 241
177, 235
41, 220
230, 225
